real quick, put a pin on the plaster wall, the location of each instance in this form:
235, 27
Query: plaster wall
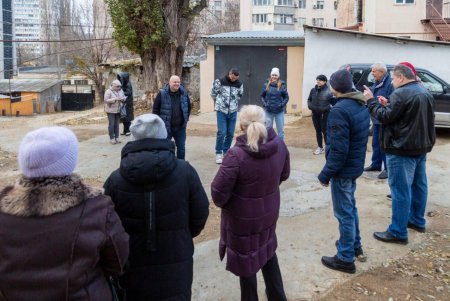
326, 51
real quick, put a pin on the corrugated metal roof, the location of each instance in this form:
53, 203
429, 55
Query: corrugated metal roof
27, 85
188, 62
254, 34
361, 34
257, 38
42, 69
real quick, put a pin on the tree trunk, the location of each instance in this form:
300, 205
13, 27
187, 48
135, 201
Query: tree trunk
99, 88
159, 65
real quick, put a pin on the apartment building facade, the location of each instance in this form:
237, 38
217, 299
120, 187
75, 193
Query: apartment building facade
7, 53
28, 25
287, 14
416, 19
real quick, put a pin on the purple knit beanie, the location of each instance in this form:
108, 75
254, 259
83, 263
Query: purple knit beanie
48, 152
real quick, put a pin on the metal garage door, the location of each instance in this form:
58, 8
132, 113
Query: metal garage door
254, 63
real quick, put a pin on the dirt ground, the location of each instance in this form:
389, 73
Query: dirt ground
423, 274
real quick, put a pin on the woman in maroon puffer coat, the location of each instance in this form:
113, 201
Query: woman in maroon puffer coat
59, 238
246, 187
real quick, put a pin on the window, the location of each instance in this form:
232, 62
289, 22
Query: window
335, 6
67, 82
259, 18
262, 2
284, 19
317, 22
405, 1
334, 22
81, 82
284, 2
357, 74
430, 83
217, 4
301, 21
319, 4
302, 4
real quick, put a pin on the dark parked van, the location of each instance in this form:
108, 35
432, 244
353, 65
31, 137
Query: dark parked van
438, 88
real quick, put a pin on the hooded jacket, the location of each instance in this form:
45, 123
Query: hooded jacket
162, 205
127, 89
246, 187
113, 100
58, 240
347, 135
226, 94
273, 99
407, 121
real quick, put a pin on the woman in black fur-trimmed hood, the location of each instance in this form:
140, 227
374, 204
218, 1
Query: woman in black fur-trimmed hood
162, 205
59, 238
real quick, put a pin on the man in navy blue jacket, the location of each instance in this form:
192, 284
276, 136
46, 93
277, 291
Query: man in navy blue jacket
381, 87
173, 105
346, 144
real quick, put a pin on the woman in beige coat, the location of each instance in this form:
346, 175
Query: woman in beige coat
113, 99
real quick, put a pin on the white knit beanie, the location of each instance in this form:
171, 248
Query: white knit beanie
48, 152
148, 126
275, 71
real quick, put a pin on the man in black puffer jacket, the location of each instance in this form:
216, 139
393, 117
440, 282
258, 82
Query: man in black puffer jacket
407, 136
162, 205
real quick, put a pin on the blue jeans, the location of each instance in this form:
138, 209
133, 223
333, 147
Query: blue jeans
345, 211
226, 123
279, 121
409, 189
113, 125
179, 135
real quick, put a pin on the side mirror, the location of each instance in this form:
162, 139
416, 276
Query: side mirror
445, 89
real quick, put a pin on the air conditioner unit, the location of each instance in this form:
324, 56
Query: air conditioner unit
295, 5
314, 6
269, 23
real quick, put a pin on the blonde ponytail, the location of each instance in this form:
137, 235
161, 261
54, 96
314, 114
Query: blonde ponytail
252, 119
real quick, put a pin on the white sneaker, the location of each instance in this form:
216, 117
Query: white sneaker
319, 151
112, 141
219, 158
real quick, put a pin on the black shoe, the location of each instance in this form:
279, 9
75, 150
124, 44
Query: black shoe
122, 133
127, 133
358, 251
417, 228
388, 237
389, 196
335, 263
383, 175
371, 168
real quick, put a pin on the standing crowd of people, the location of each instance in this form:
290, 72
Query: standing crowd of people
140, 229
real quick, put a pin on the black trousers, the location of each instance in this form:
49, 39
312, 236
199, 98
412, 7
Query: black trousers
272, 279
320, 125
126, 126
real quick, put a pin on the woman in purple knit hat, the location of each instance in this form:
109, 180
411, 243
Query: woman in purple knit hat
246, 187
